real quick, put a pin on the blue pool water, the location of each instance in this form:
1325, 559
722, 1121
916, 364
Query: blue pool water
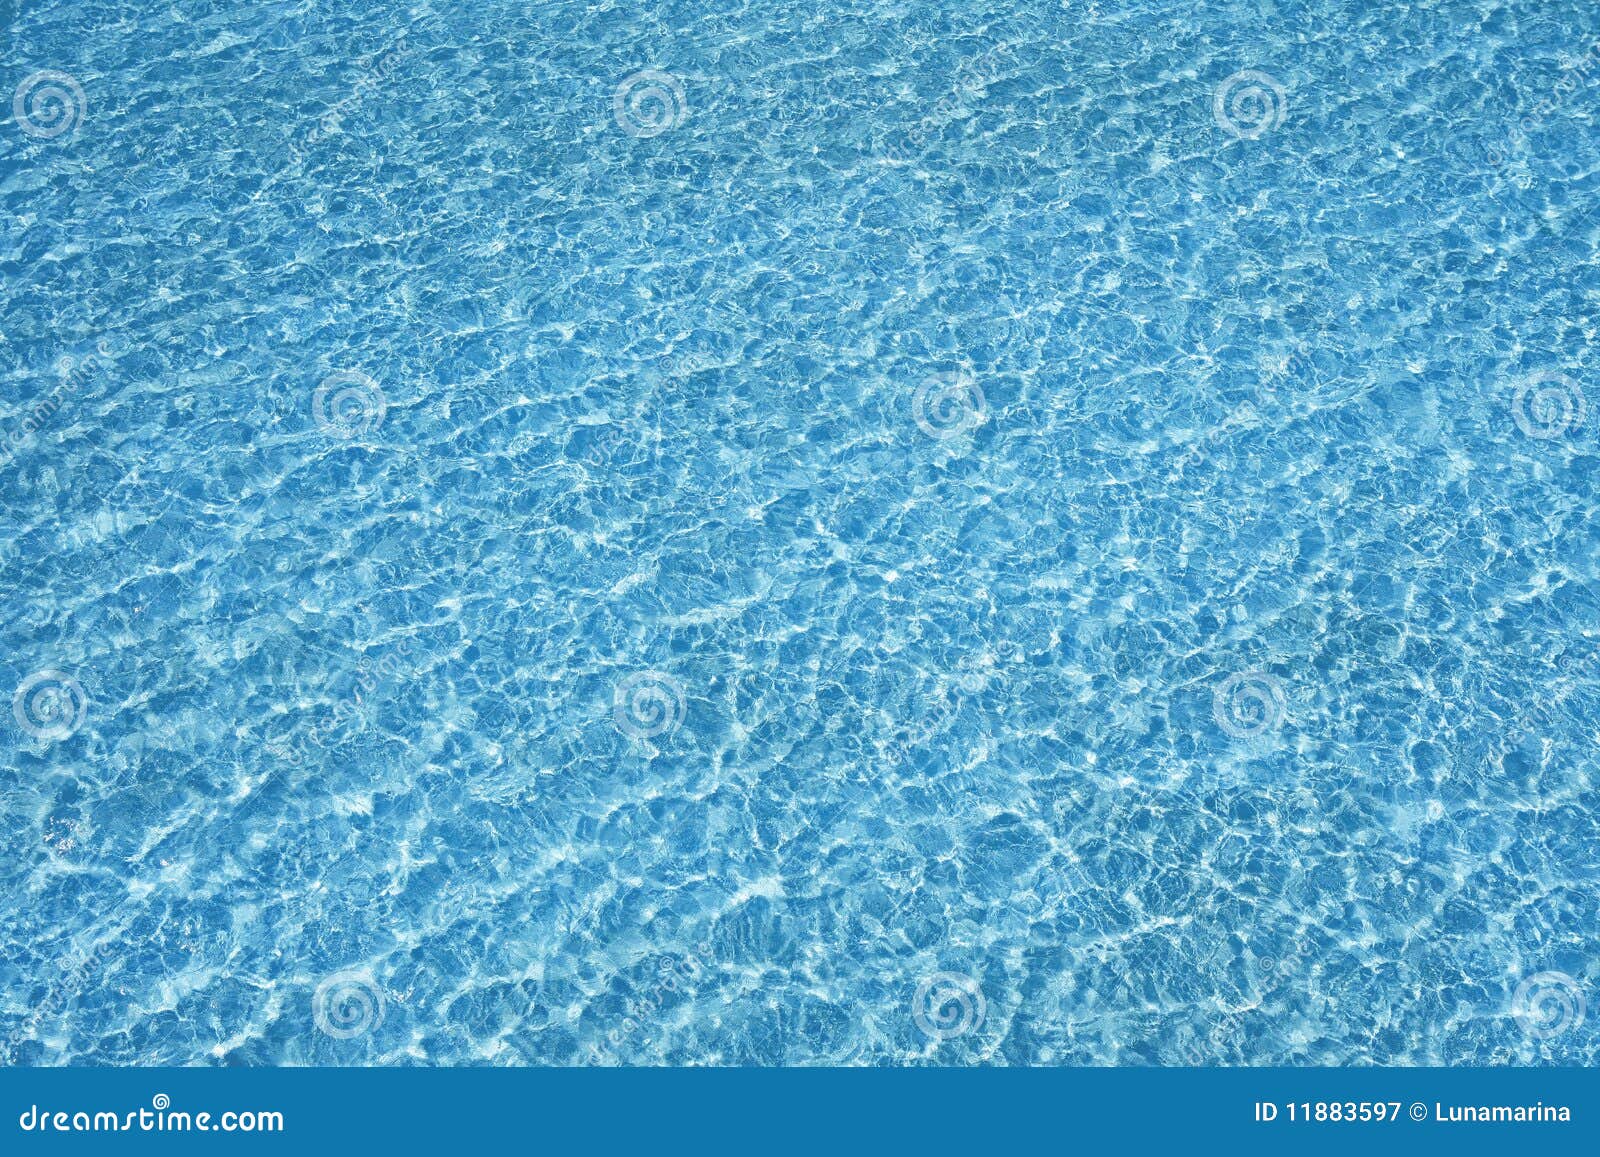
845, 533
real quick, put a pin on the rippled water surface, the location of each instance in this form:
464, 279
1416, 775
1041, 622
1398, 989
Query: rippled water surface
851, 533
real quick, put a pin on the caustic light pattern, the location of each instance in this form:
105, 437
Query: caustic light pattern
872, 533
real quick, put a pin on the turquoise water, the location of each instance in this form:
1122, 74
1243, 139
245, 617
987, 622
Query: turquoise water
870, 533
